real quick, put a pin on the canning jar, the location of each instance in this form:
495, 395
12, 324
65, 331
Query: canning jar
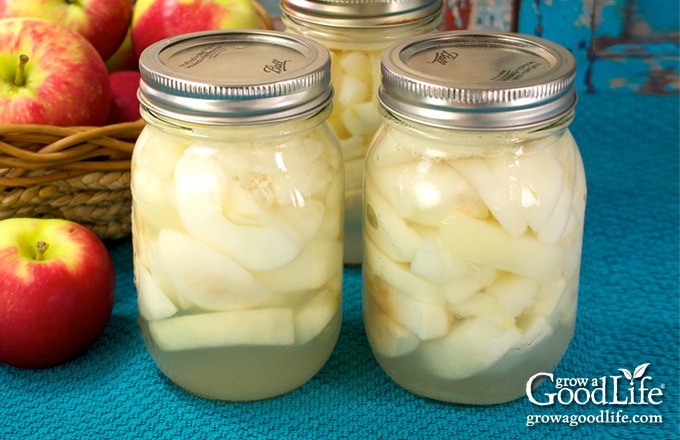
356, 33
474, 204
237, 185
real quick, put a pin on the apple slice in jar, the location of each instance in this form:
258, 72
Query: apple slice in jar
257, 327
488, 244
315, 314
319, 262
534, 178
154, 191
386, 228
202, 204
472, 346
152, 303
425, 319
205, 277
493, 191
513, 293
354, 63
425, 191
399, 274
387, 337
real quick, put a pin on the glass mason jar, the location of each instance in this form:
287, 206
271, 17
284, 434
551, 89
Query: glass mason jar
474, 204
356, 33
237, 185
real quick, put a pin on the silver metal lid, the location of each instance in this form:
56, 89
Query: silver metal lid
361, 13
235, 76
478, 80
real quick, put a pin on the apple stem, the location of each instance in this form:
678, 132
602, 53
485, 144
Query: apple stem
20, 77
41, 247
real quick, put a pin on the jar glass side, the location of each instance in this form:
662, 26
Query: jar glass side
237, 235
355, 74
472, 256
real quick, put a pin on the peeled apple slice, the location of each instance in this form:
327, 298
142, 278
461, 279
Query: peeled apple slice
535, 343
205, 277
387, 229
466, 284
361, 119
471, 347
426, 320
494, 192
202, 206
354, 175
314, 316
153, 191
152, 303
480, 304
387, 337
319, 262
355, 63
350, 91
398, 274
434, 265
513, 293
259, 327
537, 180
487, 244
425, 191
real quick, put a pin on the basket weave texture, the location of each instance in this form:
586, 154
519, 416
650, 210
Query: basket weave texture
76, 173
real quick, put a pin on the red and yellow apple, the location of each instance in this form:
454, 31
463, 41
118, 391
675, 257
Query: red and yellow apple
124, 102
102, 22
50, 75
57, 285
124, 57
154, 20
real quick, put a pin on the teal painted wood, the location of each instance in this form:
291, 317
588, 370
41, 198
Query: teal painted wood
618, 44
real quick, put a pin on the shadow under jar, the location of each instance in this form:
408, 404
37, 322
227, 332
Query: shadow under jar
474, 202
237, 185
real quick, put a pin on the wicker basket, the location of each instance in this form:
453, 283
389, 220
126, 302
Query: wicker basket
77, 173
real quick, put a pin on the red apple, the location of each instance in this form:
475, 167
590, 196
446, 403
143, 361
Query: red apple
102, 22
57, 286
50, 75
124, 57
124, 102
154, 20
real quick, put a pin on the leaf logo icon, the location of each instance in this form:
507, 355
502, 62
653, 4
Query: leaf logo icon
636, 374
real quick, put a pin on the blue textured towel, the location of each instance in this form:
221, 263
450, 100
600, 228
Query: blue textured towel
628, 316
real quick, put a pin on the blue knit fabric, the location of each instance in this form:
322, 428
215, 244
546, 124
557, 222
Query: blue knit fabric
628, 316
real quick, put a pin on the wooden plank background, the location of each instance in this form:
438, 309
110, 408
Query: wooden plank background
628, 45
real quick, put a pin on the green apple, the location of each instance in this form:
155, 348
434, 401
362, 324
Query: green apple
50, 75
102, 22
154, 20
57, 285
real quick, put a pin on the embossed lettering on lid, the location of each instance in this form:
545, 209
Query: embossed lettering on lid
478, 80
231, 77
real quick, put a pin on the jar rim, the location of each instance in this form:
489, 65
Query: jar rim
361, 13
235, 76
478, 80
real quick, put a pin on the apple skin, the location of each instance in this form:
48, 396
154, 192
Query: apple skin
124, 57
51, 310
124, 102
66, 81
102, 22
154, 20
